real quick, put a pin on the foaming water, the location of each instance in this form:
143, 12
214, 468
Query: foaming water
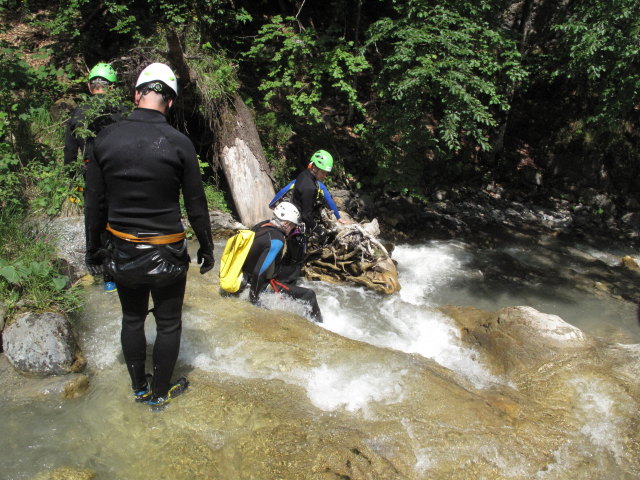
107, 432
353, 387
601, 413
345, 384
406, 321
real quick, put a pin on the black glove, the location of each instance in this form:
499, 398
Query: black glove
206, 259
93, 261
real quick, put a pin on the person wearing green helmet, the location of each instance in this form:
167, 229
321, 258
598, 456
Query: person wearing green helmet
309, 195
101, 77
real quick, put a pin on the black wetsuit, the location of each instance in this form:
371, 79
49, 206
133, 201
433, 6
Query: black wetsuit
134, 179
263, 263
74, 142
305, 195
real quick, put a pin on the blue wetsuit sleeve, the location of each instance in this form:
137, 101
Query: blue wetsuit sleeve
329, 199
281, 193
258, 279
276, 246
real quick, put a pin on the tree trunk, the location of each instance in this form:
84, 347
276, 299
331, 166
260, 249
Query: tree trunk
244, 165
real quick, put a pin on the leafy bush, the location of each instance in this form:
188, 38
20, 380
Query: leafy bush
29, 275
446, 75
31, 140
215, 198
305, 67
274, 137
598, 50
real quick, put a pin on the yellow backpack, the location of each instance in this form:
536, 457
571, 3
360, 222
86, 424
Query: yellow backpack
235, 253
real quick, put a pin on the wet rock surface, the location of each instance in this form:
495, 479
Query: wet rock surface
20, 388
67, 473
275, 396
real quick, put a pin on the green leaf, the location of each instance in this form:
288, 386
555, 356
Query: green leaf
60, 282
10, 274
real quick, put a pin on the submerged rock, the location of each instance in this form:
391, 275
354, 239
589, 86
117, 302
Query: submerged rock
67, 473
43, 344
20, 388
518, 338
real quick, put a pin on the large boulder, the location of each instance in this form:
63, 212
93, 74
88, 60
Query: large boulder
516, 340
43, 344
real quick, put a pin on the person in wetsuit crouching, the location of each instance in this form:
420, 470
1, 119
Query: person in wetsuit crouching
138, 168
263, 262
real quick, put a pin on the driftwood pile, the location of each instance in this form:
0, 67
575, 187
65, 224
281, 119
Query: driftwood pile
351, 254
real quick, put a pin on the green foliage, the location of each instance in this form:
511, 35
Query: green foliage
206, 14
217, 76
29, 276
445, 77
98, 111
215, 198
305, 67
50, 187
598, 50
28, 135
135, 20
274, 137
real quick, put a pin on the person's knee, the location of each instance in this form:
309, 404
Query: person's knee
168, 325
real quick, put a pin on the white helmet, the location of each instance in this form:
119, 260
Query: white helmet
287, 212
160, 72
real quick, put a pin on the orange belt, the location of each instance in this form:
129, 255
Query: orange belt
156, 240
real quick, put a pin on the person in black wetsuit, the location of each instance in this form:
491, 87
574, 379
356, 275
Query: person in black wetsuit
306, 191
264, 259
134, 179
101, 78
309, 195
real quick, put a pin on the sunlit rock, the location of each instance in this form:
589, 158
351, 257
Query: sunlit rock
43, 344
518, 338
631, 263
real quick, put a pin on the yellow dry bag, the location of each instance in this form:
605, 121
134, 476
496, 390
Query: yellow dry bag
233, 257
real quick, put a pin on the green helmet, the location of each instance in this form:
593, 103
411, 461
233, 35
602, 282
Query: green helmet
105, 71
323, 160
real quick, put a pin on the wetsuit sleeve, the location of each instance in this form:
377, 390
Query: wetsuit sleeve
70, 142
281, 194
95, 207
329, 199
195, 200
266, 259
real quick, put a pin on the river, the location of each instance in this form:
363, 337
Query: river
256, 383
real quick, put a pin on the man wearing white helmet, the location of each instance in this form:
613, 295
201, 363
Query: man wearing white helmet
138, 169
264, 259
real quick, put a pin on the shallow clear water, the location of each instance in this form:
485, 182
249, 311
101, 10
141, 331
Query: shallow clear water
108, 433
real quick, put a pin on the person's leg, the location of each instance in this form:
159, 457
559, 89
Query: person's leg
305, 295
135, 306
167, 310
